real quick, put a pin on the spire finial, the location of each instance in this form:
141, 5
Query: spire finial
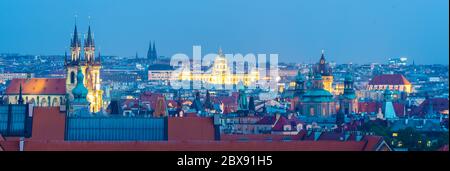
155, 55
89, 40
323, 51
220, 51
75, 16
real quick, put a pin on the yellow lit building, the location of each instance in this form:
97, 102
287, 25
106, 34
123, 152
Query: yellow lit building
221, 74
90, 66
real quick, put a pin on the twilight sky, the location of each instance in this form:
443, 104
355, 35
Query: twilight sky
348, 30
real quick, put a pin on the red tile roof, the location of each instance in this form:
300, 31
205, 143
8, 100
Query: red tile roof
48, 123
373, 107
369, 107
389, 79
260, 137
293, 122
144, 99
37, 86
190, 128
369, 144
399, 109
151, 98
439, 104
10, 144
267, 120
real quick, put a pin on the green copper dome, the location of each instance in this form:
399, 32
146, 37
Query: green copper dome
317, 95
80, 92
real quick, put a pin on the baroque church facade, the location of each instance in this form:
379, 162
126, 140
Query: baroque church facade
314, 96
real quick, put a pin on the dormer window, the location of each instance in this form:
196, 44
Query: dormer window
287, 127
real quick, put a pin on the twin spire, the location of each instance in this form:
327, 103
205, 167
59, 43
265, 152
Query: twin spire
76, 41
89, 46
151, 54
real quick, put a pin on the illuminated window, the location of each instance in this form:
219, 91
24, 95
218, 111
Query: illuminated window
394, 134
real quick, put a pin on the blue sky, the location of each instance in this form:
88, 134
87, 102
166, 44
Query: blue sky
349, 30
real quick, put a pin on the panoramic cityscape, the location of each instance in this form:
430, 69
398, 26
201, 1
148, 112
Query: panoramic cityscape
212, 97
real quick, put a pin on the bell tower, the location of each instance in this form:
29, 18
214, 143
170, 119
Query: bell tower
324, 70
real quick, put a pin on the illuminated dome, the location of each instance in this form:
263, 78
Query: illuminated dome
80, 92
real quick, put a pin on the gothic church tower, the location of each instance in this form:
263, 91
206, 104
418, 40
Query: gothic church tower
90, 67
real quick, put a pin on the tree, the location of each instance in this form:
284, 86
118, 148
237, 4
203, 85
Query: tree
409, 137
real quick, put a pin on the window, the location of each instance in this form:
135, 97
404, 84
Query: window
72, 77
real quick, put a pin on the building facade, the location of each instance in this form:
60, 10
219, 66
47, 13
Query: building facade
221, 74
44, 92
317, 102
395, 82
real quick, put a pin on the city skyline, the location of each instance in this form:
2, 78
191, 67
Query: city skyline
297, 31
224, 75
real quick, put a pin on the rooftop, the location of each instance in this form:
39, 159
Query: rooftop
389, 79
38, 86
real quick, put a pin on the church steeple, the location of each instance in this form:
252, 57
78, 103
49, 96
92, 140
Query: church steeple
85, 65
150, 51
89, 47
89, 40
322, 58
349, 90
75, 45
75, 42
155, 55
220, 51
99, 57
20, 101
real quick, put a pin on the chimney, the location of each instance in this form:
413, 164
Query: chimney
21, 144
